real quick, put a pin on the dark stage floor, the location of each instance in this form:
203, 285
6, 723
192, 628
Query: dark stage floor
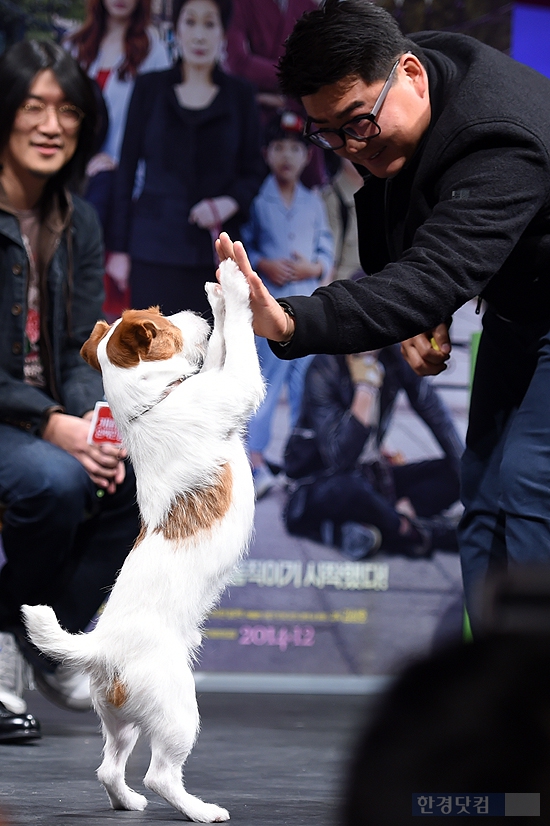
272, 760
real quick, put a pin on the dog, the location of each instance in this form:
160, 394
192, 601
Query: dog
181, 400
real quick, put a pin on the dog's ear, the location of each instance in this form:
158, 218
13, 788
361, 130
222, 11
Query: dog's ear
88, 351
131, 340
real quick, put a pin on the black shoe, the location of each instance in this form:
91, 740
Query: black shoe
17, 728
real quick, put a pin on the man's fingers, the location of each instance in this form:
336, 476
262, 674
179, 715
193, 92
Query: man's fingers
224, 247
410, 354
240, 256
106, 461
423, 357
120, 474
269, 319
112, 450
440, 337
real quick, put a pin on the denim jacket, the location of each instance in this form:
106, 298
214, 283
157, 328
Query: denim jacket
71, 271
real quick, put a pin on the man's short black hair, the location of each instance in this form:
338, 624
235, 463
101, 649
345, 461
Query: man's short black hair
341, 38
19, 65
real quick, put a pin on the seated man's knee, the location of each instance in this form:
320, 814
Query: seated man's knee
59, 485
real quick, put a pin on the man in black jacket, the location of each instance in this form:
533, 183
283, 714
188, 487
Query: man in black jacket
348, 491
69, 511
452, 138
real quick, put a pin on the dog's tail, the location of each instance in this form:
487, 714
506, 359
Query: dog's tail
46, 633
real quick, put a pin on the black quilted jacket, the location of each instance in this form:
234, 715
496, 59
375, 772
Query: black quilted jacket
469, 216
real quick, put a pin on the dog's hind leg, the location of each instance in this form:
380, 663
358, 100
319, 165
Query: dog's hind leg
120, 739
170, 746
164, 777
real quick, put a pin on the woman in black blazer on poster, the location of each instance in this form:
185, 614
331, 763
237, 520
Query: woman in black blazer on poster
196, 132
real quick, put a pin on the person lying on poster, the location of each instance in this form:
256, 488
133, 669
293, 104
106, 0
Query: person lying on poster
346, 490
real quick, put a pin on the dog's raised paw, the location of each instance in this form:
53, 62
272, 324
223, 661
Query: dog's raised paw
233, 281
214, 293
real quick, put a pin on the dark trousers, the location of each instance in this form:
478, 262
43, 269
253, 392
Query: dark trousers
63, 544
369, 496
506, 465
172, 288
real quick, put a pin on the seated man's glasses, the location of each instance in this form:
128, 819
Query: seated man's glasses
360, 128
35, 111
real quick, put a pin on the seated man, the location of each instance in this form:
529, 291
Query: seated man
347, 492
70, 514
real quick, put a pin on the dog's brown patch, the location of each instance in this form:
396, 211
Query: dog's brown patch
141, 536
117, 693
143, 335
198, 510
88, 351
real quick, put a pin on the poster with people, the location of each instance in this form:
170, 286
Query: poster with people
302, 605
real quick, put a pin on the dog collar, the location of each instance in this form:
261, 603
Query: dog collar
166, 392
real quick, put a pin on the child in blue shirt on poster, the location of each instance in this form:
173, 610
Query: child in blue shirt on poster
290, 246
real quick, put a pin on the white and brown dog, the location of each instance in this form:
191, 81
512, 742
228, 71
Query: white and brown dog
181, 402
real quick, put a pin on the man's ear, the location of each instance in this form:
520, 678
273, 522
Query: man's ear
88, 351
416, 74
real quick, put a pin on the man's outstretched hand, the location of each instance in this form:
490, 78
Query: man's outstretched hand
269, 319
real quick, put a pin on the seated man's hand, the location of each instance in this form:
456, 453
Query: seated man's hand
103, 463
269, 318
428, 352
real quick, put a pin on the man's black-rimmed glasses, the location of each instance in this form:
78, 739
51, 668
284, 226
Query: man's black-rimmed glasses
360, 128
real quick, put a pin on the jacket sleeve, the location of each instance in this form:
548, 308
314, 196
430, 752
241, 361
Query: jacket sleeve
340, 436
21, 404
485, 201
81, 385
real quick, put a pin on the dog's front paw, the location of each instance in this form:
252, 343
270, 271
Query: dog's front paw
233, 282
214, 294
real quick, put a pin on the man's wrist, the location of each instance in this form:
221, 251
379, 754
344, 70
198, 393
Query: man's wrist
46, 416
290, 323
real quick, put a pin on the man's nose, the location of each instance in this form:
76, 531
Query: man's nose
51, 120
353, 145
